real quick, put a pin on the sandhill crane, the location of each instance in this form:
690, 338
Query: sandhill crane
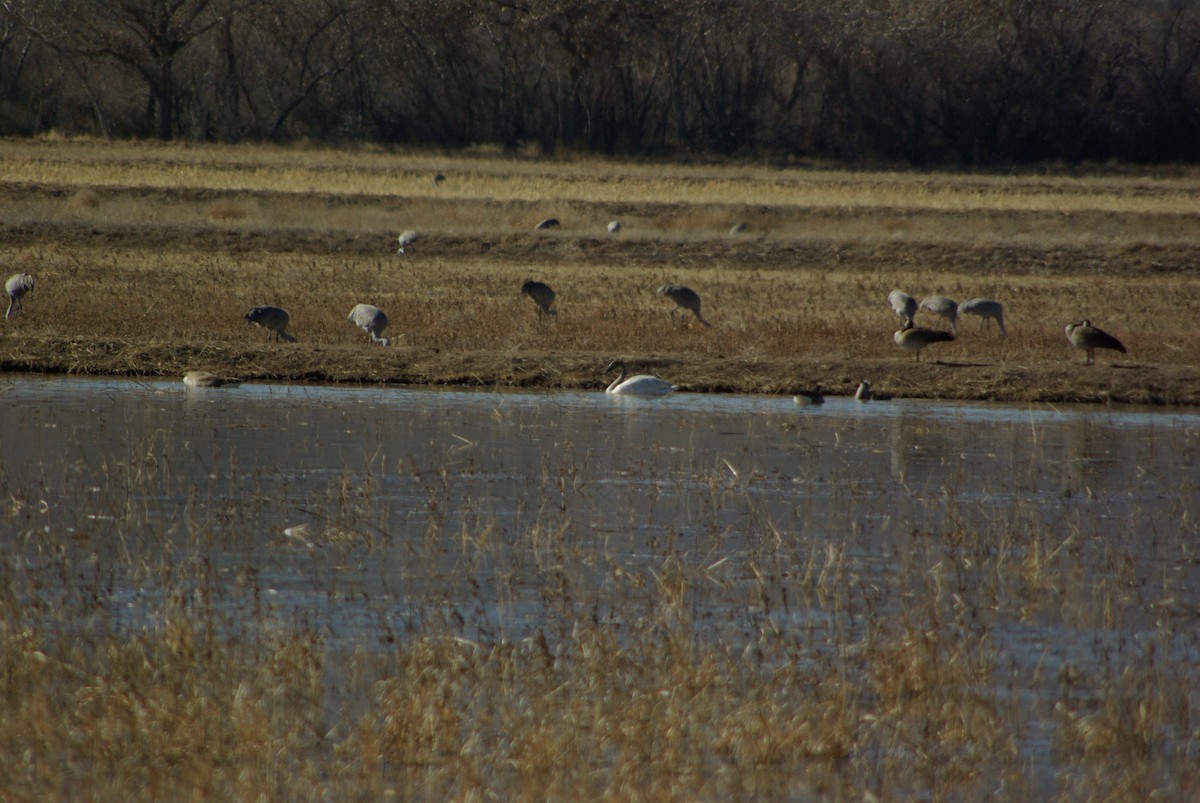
371, 320
904, 305
1087, 337
542, 295
405, 239
614, 226
814, 396
684, 298
637, 385
914, 338
17, 285
863, 394
943, 308
548, 223
204, 379
985, 308
274, 320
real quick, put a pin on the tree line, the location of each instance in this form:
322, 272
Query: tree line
974, 82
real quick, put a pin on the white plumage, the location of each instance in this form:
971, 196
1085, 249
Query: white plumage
17, 285
637, 385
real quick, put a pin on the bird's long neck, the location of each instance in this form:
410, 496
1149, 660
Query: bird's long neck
620, 376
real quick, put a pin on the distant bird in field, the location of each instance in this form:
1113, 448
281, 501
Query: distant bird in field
274, 320
814, 396
684, 298
914, 338
204, 379
542, 295
438, 178
904, 305
637, 385
1089, 338
737, 228
943, 308
985, 308
405, 239
614, 226
371, 320
17, 285
863, 394
548, 223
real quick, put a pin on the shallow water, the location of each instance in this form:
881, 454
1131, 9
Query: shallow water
366, 513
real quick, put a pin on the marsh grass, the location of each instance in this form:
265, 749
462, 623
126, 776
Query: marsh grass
743, 652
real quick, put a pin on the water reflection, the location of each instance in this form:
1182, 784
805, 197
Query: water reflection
416, 494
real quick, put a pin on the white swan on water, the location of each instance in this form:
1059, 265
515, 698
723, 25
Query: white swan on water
637, 385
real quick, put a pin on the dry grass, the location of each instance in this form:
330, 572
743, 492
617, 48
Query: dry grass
145, 250
785, 669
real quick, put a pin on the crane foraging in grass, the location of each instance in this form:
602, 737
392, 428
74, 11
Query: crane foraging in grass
903, 304
943, 308
274, 320
405, 239
1089, 338
684, 298
371, 320
637, 385
17, 285
542, 295
986, 309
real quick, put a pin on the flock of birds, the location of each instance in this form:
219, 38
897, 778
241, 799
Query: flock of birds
910, 337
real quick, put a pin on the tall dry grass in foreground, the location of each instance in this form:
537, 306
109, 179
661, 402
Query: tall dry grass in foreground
763, 659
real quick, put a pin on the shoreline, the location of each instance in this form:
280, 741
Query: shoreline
1122, 382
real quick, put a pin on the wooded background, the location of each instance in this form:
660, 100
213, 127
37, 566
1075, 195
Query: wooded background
972, 82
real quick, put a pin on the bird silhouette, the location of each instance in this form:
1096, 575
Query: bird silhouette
1089, 338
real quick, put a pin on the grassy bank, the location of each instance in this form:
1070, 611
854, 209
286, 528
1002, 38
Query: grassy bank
147, 257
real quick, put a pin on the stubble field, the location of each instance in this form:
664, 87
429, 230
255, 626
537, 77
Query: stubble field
147, 257
144, 653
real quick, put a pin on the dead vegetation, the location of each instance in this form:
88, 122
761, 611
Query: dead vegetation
148, 257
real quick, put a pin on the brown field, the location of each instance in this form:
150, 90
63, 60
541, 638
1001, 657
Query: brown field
147, 256
142, 657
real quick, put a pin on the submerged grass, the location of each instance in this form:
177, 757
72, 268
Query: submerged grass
749, 654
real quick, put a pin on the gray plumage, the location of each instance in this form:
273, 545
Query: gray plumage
371, 320
274, 320
205, 379
904, 305
17, 285
684, 298
548, 223
814, 396
405, 239
542, 295
943, 308
1089, 338
914, 338
986, 309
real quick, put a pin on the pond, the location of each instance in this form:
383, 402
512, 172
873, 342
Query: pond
1069, 535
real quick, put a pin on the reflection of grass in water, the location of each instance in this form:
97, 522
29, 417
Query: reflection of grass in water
768, 662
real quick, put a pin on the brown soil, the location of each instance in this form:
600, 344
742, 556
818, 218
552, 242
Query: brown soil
148, 282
